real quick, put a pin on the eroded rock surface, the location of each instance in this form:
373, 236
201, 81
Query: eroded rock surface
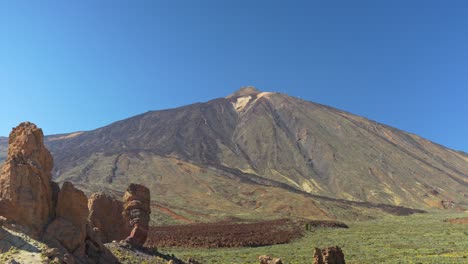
69, 226
105, 214
25, 188
137, 213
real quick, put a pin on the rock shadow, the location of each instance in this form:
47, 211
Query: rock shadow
9, 240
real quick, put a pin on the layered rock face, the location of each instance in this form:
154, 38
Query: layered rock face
113, 219
105, 214
25, 180
137, 213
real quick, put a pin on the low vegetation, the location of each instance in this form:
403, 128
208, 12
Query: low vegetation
419, 238
461, 220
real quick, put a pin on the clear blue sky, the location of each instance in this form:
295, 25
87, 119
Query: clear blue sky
79, 65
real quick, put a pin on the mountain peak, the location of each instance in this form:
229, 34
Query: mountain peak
244, 91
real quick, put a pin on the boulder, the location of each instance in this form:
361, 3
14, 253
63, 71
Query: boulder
105, 214
329, 255
25, 188
95, 250
72, 204
69, 226
265, 259
137, 213
447, 204
63, 233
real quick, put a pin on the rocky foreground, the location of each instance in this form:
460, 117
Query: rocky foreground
41, 222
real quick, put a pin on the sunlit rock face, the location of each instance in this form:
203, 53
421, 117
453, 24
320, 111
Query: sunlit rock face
25, 180
105, 214
137, 213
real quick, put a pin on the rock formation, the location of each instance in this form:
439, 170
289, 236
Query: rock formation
137, 213
32, 203
112, 219
105, 214
329, 255
25, 188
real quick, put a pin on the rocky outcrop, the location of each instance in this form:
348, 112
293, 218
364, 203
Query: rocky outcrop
71, 232
32, 203
105, 214
329, 255
447, 204
112, 219
25, 188
137, 213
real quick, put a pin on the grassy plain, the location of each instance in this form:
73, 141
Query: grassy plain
419, 238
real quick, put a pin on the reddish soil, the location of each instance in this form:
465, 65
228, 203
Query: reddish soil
171, 213
463, 220
225, 234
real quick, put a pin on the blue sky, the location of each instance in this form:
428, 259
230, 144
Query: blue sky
79, 65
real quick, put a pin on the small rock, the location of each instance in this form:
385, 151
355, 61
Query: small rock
192, 261
68, 259
276, 261
51, 252
2, 220
265, 259
447, 204
329, 255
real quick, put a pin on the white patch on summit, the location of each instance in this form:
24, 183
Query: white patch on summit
241, 102
260, 95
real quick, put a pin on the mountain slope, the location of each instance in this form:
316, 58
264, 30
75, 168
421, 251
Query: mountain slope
218, 157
